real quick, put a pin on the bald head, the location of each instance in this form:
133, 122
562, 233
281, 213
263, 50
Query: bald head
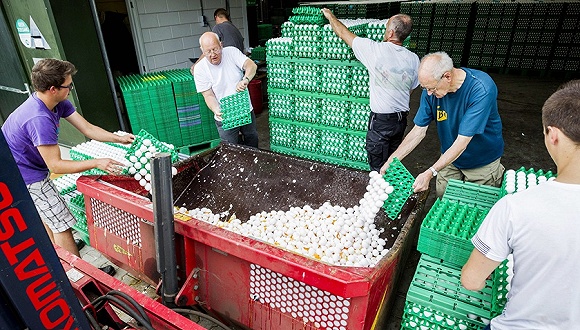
211, 47
401, 25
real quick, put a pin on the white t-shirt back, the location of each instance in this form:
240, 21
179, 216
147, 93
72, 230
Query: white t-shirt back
393, 73
541, 227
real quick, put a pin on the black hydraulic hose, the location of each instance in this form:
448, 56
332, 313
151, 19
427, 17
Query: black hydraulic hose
138, 307
202, 315
126, 309
94, 324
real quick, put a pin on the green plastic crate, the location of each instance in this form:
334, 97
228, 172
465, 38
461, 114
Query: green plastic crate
402, 181
236, 110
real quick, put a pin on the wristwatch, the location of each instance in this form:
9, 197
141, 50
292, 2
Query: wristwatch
248, 79
434, 171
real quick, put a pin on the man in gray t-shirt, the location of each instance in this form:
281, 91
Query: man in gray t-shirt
228, 32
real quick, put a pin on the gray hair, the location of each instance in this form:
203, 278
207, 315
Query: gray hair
206, 35
438, 64
402, 25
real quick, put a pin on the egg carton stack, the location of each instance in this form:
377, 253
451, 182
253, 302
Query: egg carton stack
139, 156
281, 105
236, 110
350, 238
447, 229
76, 205
522, 179
449, 225
95, 149
437, 300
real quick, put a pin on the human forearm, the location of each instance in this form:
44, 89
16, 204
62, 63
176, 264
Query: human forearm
456, 149
339, 29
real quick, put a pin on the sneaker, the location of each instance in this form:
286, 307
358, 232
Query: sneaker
80, 243
109, 270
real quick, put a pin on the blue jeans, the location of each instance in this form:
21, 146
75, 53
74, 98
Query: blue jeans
249, 133
487, 327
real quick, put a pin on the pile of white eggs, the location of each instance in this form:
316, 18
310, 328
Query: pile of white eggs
519, 181
97, 149
331, 233
140, 164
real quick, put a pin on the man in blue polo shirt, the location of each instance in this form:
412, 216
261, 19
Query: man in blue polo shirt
463, 102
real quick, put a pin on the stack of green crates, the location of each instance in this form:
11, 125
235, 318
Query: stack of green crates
437, 300
402, 181
447, 229
187, 106
258, 53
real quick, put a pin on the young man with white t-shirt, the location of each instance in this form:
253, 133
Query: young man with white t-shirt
222, 72
540, 227
393, 73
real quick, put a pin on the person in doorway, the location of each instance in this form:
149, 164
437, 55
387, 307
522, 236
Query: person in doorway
393, 76
539, 227
463, 102
222, 72
228, 33
32, 131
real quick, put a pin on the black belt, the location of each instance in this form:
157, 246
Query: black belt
399, 115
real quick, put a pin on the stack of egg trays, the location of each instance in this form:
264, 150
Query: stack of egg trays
67, 183
76, 205
447, 229
437, 300
159, 145
547, 174
236, 110
307, 15
281, 104
402, 181
472, 193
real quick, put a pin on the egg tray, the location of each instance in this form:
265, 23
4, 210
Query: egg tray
437, 285
401, 179
159, 145
417, 316
470, 193
236, 110
447, 230
540, 172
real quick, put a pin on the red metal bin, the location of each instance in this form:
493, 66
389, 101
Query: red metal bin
257, 285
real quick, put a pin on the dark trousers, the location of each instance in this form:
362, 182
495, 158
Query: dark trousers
385, 134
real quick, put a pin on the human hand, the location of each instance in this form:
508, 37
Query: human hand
422, 181
327, 13
218, 114
109, 165
125, 139
385, 166
242, 84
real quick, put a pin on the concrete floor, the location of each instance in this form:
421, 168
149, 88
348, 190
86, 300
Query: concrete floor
520, 101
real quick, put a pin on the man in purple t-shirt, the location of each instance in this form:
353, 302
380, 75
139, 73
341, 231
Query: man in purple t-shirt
31, 132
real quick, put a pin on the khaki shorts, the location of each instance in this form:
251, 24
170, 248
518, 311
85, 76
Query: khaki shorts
490, 174
51, 206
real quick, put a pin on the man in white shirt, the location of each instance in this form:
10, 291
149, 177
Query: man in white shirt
222, 72
393, 73
539, 226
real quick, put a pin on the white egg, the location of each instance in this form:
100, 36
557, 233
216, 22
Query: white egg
138, 153
389, 190
132, 170
137, 176
148, 186
146, 142
138, 165
144, 160
142, 172
142, 182
132, 158
173, 171
148, 177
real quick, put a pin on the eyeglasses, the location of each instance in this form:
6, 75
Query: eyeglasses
213, 51
70, 86
433, 89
